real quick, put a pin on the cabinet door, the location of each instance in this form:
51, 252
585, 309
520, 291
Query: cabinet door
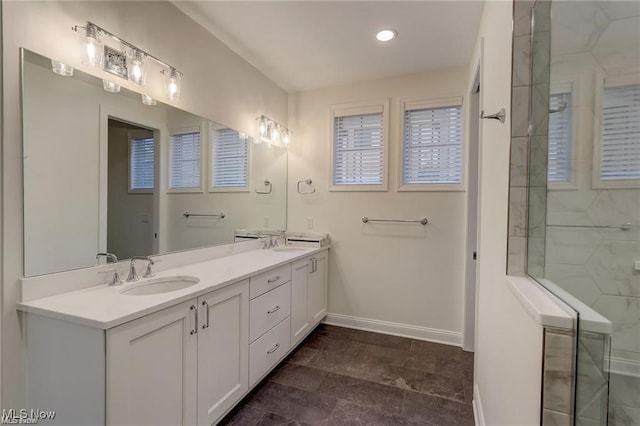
223, 347
318, 288
299, 300
151, 369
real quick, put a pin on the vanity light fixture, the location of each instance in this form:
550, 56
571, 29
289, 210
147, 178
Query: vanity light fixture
272, 133
94, 52
148, 100
61, 68
386, 35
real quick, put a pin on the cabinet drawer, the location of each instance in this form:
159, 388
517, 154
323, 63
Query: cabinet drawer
268, 310
269, 280
265, 352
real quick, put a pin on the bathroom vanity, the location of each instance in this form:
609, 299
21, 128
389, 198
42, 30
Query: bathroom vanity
139, 354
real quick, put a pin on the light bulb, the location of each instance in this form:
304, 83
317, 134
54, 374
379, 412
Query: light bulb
92, 47
386, 35
173, 78
275, 133
286, 137
137, 62
262, 127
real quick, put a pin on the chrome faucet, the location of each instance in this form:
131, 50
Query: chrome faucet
115, 280
133, 276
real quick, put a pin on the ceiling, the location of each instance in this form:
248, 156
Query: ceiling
305, 45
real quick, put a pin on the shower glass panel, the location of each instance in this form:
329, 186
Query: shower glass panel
584, 192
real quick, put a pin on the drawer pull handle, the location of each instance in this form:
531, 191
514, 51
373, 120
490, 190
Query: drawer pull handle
274, 310
205, 305
273, 349
195, 311
273, 280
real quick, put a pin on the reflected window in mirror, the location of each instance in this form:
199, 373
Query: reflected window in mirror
619, 149
560, 154
229, 160
141, 162
184, 160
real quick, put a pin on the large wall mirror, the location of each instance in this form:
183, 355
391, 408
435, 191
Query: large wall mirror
104, 172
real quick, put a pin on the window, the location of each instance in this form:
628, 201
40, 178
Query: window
184, 160
560, 138
620, 136
229, 160
141, 164
359, 148
432, 145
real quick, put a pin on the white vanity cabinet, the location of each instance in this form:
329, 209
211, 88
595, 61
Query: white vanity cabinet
308, 294
186, 364
95, 360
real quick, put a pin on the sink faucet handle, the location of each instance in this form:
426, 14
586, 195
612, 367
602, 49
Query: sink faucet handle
149, 273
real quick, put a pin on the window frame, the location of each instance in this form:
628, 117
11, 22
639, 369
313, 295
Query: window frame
355, 109
179, 131
426, 103
601, 84
571, 184
139, 134
213, 128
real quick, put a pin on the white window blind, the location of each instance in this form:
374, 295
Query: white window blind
358, 149
620, 146
432, 146
230, 159
141, 169
559, 154
184, 164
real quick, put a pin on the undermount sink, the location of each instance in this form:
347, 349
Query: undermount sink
160, 285
288, 249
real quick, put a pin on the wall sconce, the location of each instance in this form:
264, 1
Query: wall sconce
273, 133
129, 63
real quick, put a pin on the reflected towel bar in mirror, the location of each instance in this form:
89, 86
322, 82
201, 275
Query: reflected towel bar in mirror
624, 227
267, 183
422, 221
218, 215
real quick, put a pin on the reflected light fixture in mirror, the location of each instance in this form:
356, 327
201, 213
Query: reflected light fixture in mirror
272, 133
110, 86
61, 68
148, 100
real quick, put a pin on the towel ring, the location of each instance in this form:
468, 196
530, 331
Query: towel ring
309, 182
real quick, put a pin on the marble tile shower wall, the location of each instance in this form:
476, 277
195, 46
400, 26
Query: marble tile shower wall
529, 128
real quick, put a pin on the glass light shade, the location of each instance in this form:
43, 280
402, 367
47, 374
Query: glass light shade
110, 86
92, 49
148, 100
262, 126
173, 79
275, 133
286, 137
61, 68
137, 67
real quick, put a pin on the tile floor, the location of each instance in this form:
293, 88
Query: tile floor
340, 376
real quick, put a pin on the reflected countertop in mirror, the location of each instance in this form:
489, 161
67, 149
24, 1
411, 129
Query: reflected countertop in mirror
105, 172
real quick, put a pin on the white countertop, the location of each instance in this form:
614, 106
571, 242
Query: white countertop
105, 307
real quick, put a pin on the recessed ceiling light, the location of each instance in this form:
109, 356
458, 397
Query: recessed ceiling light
386, 35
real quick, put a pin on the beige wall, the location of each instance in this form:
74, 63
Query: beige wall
217, 85
409, 275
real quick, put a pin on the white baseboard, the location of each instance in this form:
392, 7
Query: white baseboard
397, 329
478, 414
